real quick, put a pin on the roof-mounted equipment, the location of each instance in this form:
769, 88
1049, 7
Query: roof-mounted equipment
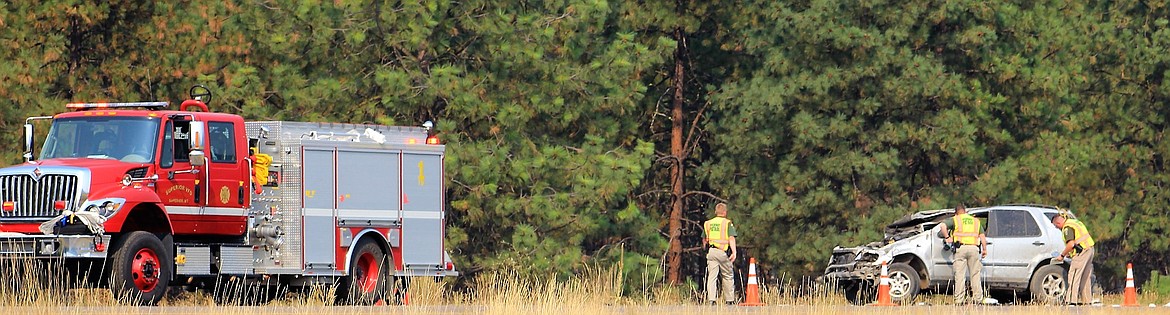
89, 106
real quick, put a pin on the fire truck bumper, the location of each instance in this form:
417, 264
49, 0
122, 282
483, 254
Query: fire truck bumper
53, 246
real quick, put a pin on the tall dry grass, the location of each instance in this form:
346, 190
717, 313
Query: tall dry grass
28, 286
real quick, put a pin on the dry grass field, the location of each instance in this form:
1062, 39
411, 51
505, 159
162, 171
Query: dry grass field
597, 292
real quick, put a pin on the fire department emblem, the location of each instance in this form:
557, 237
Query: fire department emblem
36, 174
224, 194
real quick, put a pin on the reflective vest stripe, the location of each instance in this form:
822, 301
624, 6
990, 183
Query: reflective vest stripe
966, 229
716, 230
1081, 233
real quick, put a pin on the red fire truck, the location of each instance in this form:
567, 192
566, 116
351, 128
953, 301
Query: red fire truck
149, 197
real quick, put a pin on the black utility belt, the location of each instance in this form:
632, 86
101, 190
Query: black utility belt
728, 250
1077, 249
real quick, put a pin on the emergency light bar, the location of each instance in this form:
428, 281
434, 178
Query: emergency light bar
88, 106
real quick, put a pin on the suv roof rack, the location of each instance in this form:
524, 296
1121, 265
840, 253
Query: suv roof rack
1032, 205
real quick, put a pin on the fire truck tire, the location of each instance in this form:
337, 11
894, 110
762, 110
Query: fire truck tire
369, 274
140, 272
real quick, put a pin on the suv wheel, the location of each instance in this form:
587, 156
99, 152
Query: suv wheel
1049, 285
904, 282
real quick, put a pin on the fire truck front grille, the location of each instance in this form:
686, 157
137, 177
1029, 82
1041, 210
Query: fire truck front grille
35, 198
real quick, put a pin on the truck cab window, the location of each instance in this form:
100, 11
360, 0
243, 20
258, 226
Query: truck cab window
129, 139
179, 137
167, 157
223, 148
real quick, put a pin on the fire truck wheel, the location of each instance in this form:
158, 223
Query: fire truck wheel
368, 275
140, 273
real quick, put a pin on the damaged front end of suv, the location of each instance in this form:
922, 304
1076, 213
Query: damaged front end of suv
855, 270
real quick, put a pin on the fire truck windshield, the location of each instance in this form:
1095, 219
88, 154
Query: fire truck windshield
129, 139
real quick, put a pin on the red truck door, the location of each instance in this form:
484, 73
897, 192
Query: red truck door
227, 179
176, 184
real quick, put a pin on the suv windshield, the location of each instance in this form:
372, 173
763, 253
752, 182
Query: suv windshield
129, 139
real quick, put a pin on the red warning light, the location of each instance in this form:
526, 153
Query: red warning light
9, 206
59, 205
433, 140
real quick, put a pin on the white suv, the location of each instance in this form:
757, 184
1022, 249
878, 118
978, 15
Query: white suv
1021, 239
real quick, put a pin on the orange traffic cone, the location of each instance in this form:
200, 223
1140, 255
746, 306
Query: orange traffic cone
884, 298
1130, 290
753, 286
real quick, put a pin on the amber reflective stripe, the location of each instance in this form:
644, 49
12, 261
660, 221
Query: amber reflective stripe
966, 234
1082, 233
719, 237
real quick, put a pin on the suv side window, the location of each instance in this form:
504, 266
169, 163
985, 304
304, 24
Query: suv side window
1012, 223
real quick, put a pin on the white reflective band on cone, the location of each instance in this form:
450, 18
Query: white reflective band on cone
1129, 277
752, 274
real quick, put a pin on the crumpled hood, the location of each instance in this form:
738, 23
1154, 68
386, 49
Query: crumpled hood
916, 218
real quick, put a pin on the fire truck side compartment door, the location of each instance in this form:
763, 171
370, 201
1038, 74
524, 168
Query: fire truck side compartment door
422, 209
367, 186
319, 207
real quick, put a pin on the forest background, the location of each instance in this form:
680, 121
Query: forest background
588, 132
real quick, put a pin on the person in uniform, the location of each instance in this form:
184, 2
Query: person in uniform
719, 238
967, 240
1078, 245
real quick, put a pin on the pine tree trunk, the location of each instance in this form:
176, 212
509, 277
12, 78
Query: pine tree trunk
674, 255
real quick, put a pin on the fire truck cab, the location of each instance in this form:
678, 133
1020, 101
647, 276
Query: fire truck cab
156, 197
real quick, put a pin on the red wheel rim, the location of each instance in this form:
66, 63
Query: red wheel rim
144, 269
368, 273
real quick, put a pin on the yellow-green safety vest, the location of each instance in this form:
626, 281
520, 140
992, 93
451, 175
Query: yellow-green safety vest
966, 229
1081, 233
716, 230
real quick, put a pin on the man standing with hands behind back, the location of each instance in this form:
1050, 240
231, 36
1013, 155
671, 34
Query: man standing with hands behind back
719, 238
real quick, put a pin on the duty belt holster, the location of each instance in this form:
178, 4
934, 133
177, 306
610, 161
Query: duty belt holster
725, 251
954, 247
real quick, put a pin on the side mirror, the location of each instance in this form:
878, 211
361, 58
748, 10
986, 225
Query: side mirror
196, 140
197, 157
28, 142
198, 134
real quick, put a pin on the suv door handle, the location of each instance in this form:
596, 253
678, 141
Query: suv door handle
1037, 243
